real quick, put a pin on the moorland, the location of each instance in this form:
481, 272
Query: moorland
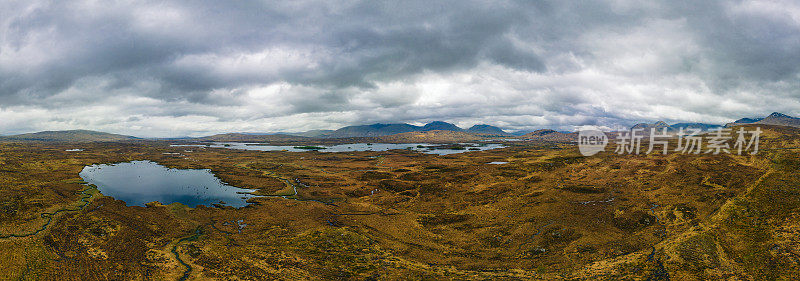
548, 213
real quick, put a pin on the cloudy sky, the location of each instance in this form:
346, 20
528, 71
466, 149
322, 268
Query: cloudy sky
178, 68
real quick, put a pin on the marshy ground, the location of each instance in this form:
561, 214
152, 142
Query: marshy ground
548, 213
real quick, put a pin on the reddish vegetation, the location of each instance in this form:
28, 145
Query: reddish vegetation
547, 214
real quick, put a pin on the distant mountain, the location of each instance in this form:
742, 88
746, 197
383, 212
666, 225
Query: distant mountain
243, 137
486, 130
377, 130
312, 133
550, 135
743, 121
776, 118
660, 125
521, 132
374, 130
441, 126
69, 136
780, 119
748, 120
701, 126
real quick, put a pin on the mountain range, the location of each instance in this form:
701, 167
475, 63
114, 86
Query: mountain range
775, 118
438, 130
660, 125
377, 130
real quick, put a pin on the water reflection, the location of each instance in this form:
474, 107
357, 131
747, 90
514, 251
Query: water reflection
140, 182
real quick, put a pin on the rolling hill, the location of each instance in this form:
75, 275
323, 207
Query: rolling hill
69, 136
550, 135
312, 133
660, 125
239, 137
374, 130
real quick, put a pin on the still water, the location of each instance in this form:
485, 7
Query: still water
420, 147
140, 182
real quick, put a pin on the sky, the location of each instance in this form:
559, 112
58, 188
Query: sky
193, 68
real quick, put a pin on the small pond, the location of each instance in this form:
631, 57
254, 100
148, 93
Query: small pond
140, 182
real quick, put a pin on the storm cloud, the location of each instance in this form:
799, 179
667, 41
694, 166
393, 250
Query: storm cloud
155, 68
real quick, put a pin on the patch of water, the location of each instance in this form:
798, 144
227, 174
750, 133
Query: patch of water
140, 182
419, 147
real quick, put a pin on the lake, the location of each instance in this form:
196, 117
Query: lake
419, 147
140, 182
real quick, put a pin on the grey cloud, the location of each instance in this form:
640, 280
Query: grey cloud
744, 45
527, 63
507, 54
388, 44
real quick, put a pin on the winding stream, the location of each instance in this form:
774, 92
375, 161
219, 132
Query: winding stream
197, 232
49, 215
